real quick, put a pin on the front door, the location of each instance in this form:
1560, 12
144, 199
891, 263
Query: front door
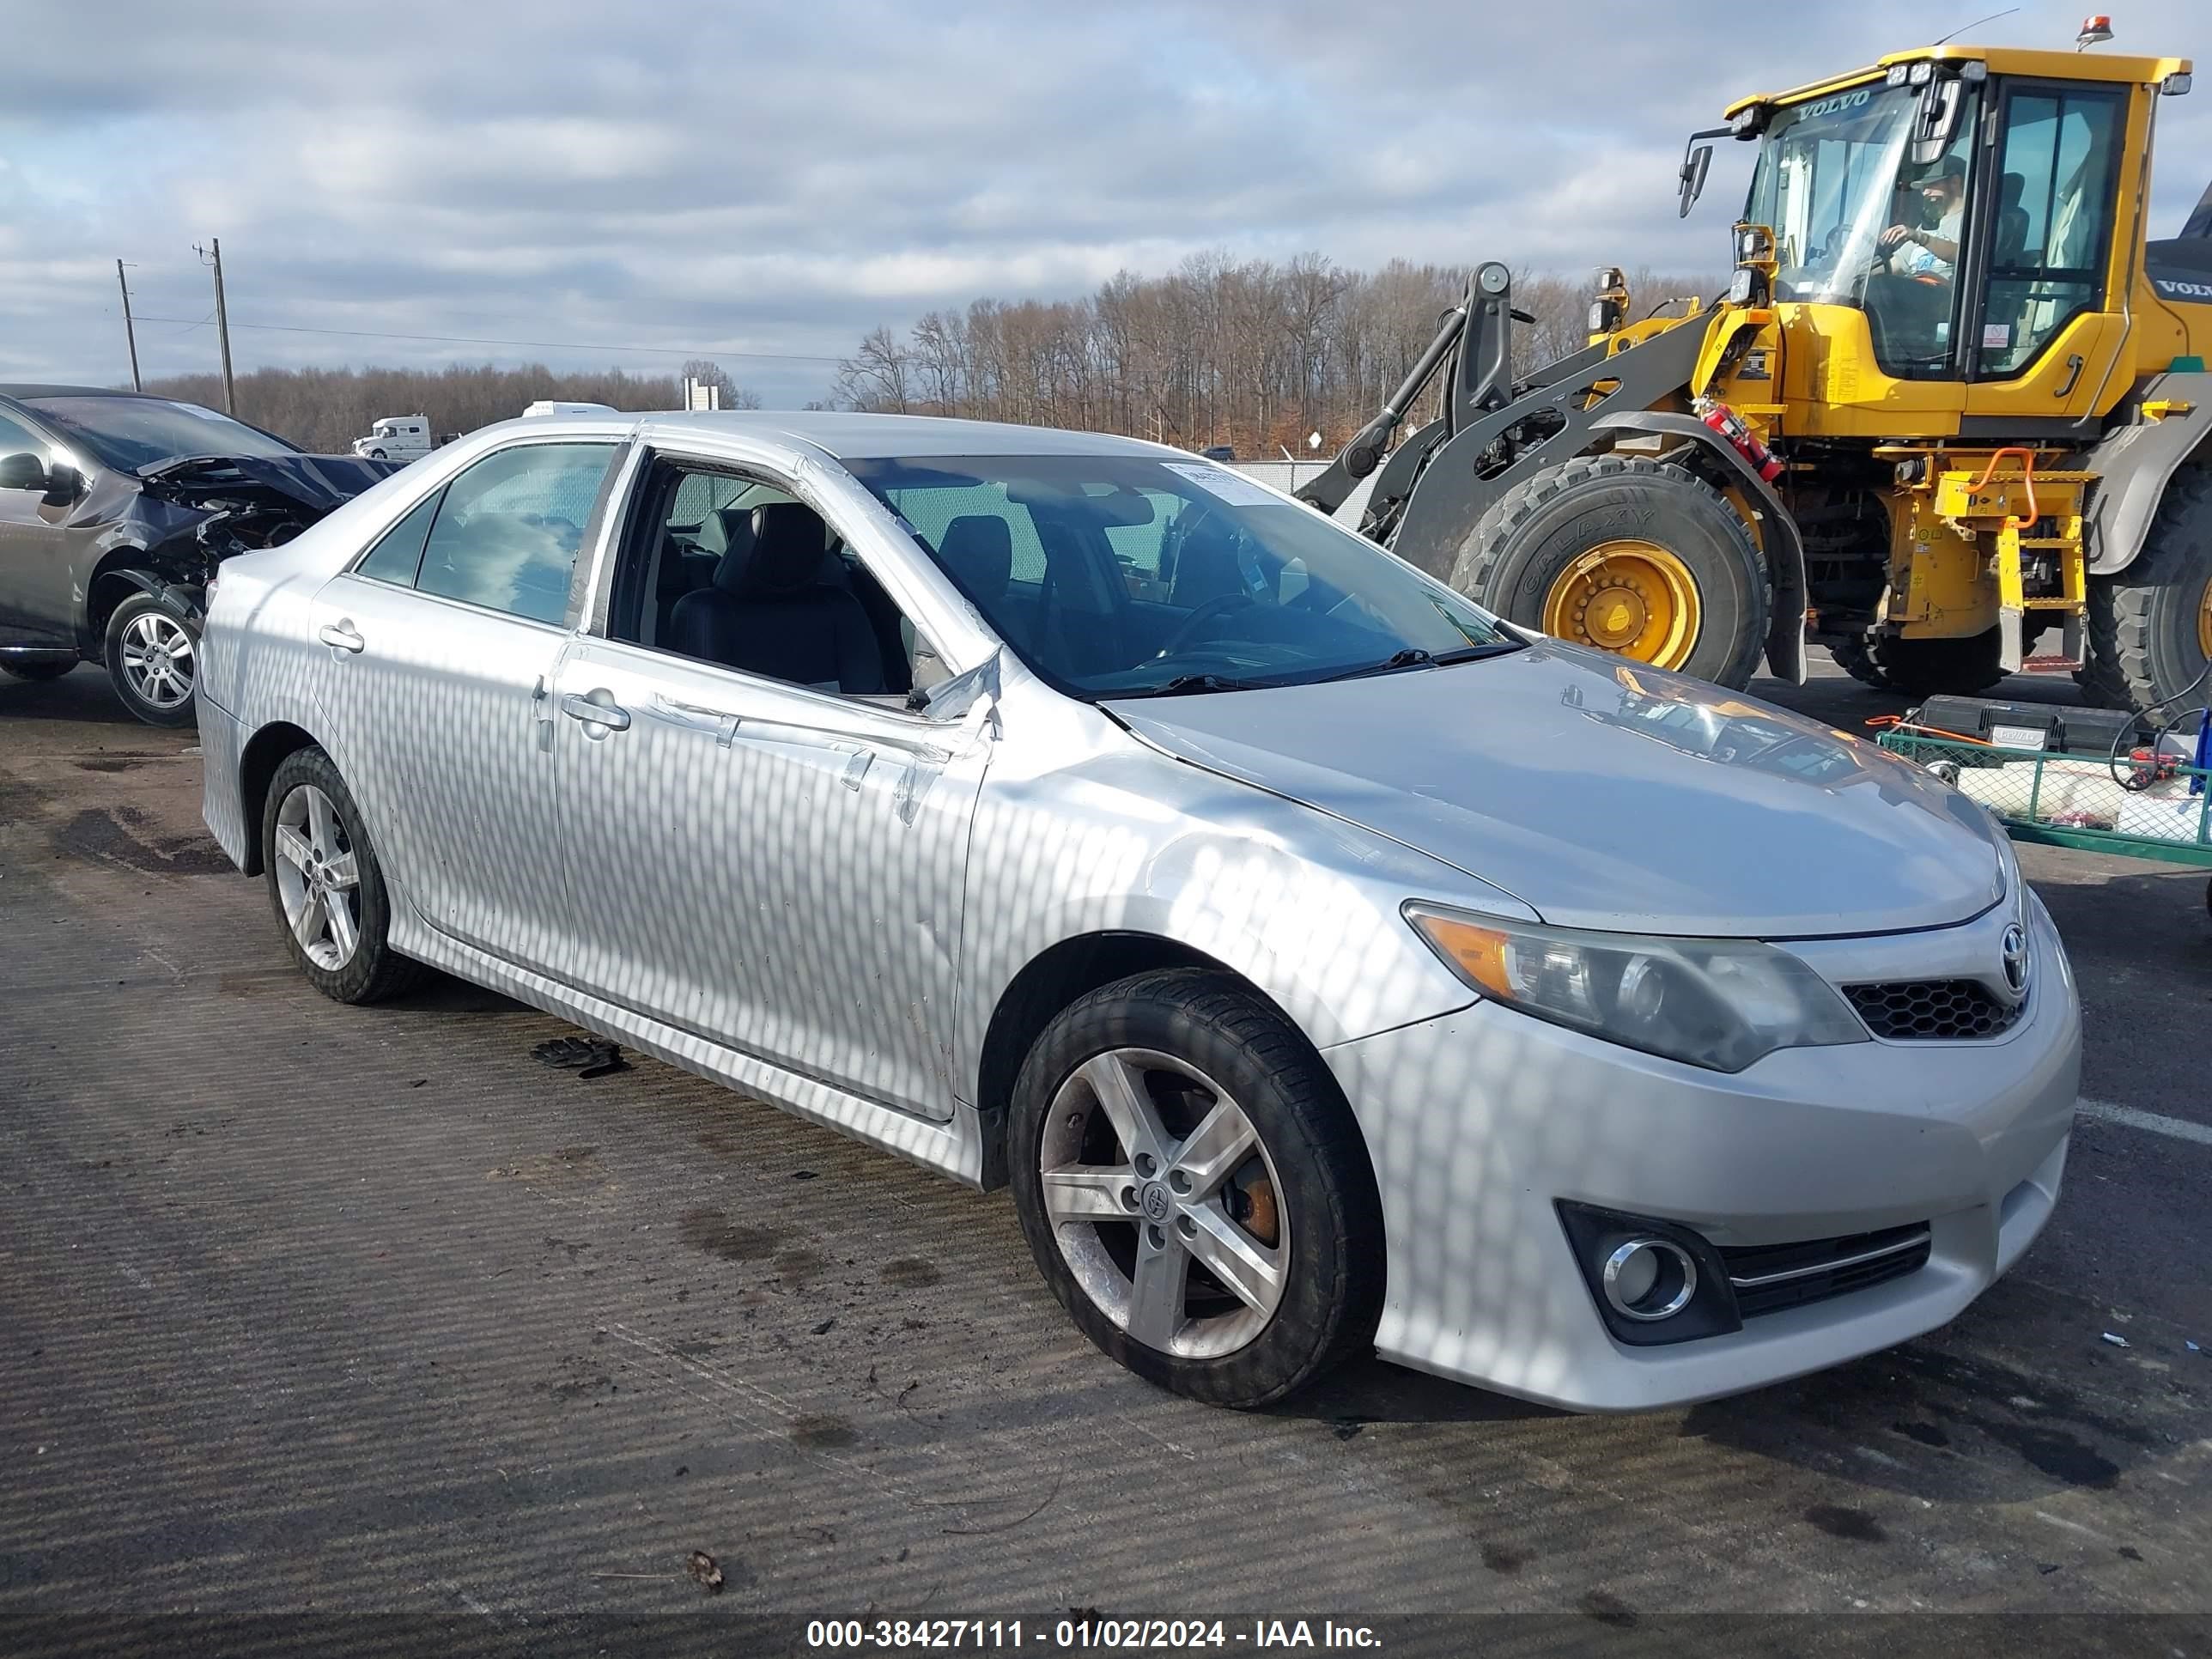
35, 599
765, 846
439, 649
2044, 342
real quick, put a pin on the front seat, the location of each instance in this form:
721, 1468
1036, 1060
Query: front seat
978, 550
770, 613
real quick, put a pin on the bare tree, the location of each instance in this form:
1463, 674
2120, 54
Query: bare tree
878, 376
706, 372
325, 409
1247, 353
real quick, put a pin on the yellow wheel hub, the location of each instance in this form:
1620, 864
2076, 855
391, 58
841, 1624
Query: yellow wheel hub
2204, 620
1637, 599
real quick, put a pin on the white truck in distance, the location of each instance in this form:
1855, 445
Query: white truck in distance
396, 437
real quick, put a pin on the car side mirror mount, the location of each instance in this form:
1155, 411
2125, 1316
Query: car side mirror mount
64, 483
975, 692
22, 471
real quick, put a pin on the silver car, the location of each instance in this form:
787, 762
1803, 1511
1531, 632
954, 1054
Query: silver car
1325, 965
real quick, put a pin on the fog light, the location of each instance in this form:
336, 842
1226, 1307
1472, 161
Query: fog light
1653, 1283
1650, 1279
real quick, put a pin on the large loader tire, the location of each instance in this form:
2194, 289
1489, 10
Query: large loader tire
2150, 625
1922, 668
1854, 656
1628, 555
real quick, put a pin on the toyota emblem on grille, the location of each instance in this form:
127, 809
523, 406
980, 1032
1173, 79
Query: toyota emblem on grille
2016, 961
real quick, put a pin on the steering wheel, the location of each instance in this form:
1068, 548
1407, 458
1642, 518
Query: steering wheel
1217, 606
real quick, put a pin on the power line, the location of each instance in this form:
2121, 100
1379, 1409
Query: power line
542, 345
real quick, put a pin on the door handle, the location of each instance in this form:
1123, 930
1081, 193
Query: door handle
592, 712
342, 637
2072, 373
723, 724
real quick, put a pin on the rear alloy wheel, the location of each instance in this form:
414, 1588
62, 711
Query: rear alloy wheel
153, 657
1194, 1190
326, 886
1629, 555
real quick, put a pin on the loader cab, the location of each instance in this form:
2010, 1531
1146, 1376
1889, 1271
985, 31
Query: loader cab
1947, 237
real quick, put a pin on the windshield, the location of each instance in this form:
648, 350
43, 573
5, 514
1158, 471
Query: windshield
1856, 224
129, 433
1122, 575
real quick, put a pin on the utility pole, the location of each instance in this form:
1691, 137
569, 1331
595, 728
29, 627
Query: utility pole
130, 336
213, 254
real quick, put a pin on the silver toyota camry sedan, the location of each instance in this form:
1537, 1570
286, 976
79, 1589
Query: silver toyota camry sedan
1325, 966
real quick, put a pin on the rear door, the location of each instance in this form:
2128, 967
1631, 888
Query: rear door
441, 644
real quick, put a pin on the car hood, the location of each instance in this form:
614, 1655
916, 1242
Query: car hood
1605, 794
320, 483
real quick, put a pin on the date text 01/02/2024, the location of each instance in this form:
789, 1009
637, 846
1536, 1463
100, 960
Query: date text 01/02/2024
1081, 1634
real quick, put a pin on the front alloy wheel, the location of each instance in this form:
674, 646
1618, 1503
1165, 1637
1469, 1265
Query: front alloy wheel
153, 657
1162, 1203
1194, 1189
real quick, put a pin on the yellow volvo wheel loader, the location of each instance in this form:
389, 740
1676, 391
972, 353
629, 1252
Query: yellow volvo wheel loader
1951, 418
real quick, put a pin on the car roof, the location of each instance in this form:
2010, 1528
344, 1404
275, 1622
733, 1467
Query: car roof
21, 390
859, 437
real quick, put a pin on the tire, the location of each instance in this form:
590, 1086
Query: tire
1922, 668
1301, 1203
371, 970
35, 673
156, 680
2148, 623
376, 454
1533, 536
1852, 656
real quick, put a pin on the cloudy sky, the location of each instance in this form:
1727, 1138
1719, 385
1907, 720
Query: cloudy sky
773, 180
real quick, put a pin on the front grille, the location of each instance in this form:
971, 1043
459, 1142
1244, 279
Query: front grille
1768, 1278
1909, 1009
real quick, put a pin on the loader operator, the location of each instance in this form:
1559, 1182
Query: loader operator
1932, 249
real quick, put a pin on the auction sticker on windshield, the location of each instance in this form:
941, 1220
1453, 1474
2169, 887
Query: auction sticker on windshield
1225, 486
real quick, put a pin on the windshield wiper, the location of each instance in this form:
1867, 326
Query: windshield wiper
1414, 657
1477, 652
1184, 684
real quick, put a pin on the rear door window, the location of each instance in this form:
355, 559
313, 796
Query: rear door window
509, 530
398, 554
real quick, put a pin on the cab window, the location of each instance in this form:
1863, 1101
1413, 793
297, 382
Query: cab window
2051, 230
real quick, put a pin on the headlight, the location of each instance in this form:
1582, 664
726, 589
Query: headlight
1713, 1002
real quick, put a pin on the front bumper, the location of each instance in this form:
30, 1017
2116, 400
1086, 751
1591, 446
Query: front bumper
1479, 1122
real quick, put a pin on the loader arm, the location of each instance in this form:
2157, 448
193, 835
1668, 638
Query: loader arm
1475, 339
1371, 442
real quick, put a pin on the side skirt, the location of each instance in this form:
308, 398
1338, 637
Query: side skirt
954, 1148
